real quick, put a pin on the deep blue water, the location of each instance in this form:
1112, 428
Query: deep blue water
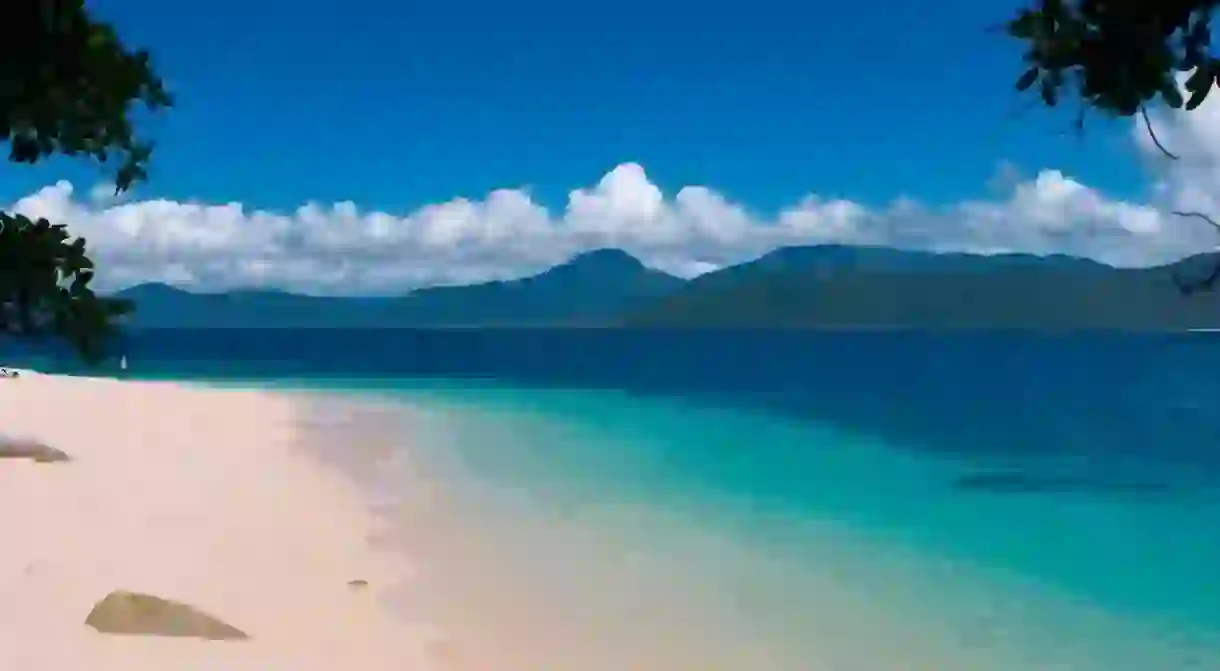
1081, 467
1112, 396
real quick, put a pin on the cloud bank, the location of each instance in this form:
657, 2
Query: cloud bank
340, 249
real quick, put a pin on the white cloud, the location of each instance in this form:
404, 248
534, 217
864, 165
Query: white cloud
341, 249
1191, 182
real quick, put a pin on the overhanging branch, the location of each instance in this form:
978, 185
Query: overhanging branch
1152, 134
1209, 282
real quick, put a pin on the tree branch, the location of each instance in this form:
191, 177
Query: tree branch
1156, 141
1209, 282
1197, 215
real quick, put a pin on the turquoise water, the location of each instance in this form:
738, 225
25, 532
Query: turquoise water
682, 523
805, 540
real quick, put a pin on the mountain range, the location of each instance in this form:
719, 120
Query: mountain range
824, 286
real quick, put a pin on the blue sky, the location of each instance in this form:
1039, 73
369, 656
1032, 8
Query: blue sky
397, 105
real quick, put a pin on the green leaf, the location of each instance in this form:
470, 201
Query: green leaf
1171, 95
1027, 80
1024, 26
1199, 79
1199, 96
1049, 94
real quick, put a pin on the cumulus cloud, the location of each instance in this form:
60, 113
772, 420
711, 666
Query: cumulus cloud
341, 249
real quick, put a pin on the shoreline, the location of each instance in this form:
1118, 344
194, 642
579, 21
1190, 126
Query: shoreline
202, 496
260, 506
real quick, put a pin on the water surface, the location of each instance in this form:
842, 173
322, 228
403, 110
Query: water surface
785, 500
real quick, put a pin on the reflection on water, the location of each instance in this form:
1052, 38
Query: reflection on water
1032, 482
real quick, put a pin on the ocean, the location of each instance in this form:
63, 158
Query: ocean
885, 501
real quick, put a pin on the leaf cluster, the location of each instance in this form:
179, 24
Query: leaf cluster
68, 86
44, 287
1117, 55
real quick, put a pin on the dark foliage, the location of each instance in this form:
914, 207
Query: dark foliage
1117, 57
44, 286
68, 86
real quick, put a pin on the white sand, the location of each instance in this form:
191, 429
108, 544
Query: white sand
203, 496
193, 495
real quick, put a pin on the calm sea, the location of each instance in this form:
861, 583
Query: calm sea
787, 500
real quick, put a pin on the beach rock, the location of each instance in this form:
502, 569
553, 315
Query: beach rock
358, 584
132, 613
20, 448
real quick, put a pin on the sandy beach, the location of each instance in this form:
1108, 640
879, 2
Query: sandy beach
194, 495
261, 509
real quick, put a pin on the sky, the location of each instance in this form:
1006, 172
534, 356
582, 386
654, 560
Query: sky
370, 148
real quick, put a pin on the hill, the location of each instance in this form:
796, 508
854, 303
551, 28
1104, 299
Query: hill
594, 287
827, 286
837, 287
591, 289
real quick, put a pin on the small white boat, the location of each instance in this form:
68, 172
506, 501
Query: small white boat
123, 362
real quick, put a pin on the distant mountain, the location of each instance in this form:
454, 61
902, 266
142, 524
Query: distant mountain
594, 287
825, 261
844, 287
162, 306
827, 286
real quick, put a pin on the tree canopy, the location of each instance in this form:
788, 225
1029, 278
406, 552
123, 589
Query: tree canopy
1118, 57
68, 86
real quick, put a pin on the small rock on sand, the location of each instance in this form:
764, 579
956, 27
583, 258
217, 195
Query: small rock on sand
358, 584
132, 613
20, 448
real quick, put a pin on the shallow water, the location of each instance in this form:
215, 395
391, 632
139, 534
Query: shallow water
781, 501
807, 545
